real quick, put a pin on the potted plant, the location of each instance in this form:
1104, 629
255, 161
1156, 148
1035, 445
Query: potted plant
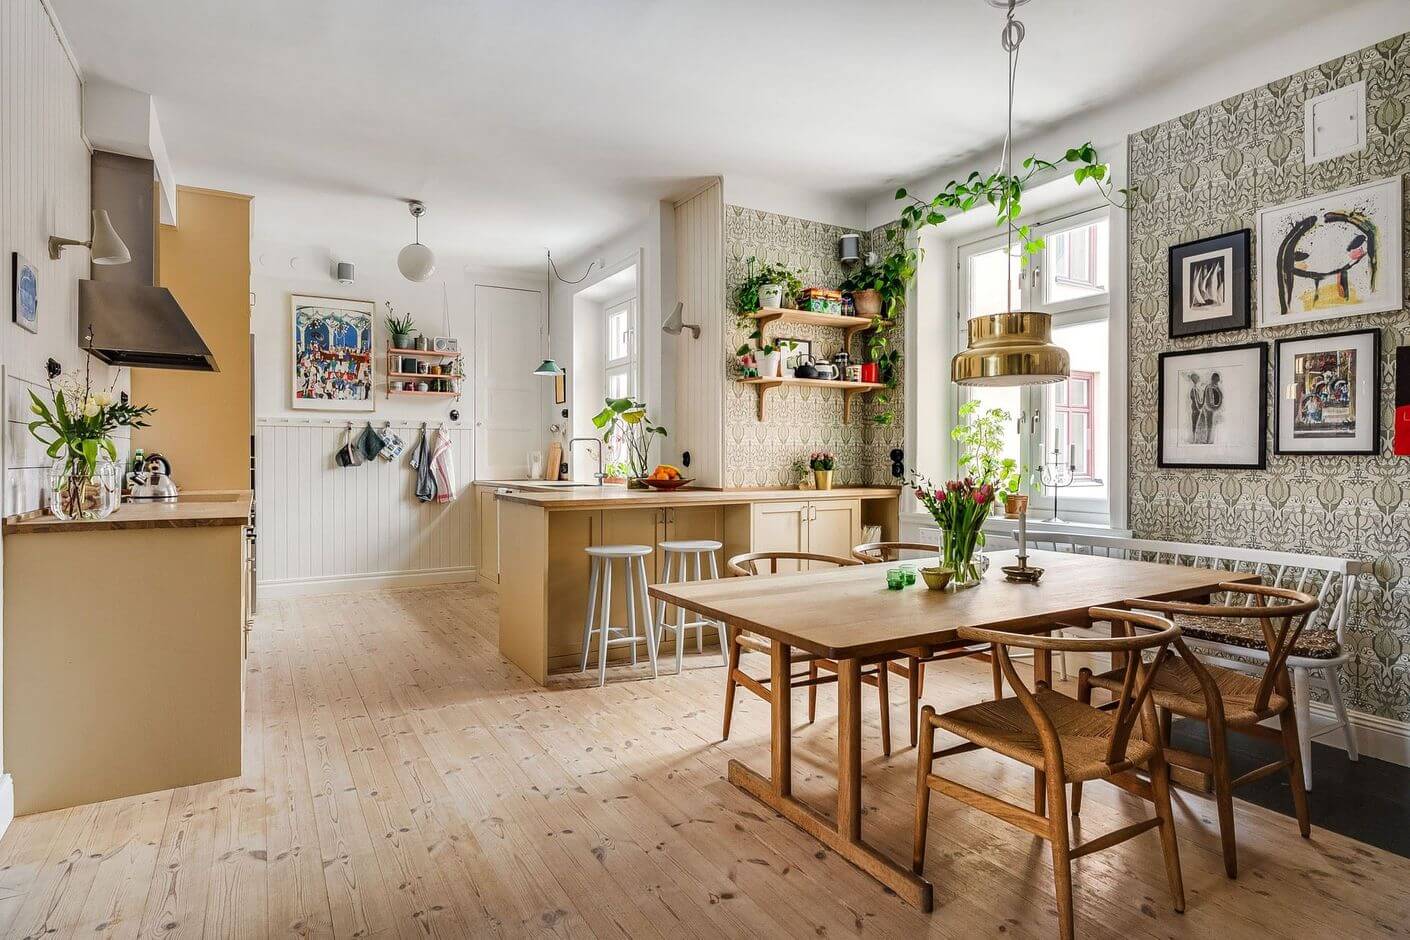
84, 481
801, 473
769, 359
401, 328
980, 436
750, 295
822, 463
624, 421
879, 289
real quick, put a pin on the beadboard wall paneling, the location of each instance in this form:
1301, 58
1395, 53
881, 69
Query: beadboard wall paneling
321, 525
44, 190
1210, 171
799, 420
700, 386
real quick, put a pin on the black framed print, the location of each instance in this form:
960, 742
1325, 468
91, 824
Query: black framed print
1329, 394
1209, 285
1214, 408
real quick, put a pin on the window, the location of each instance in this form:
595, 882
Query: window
619, 367
1066, 423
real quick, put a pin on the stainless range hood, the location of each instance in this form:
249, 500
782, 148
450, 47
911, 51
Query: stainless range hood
123, 319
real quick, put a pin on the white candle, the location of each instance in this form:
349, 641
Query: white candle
1023, 537
1072, 456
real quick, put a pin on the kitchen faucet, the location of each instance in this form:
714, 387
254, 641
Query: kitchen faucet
591, 440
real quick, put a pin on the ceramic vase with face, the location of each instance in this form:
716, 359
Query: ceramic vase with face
771, 295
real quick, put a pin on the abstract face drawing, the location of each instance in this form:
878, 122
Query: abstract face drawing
1322, 250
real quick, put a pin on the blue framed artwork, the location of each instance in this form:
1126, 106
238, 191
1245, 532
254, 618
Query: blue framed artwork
25, 308
332, 353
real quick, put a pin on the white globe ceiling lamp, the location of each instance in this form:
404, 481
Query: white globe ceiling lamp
416, 262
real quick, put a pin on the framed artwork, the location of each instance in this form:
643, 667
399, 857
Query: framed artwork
332, 353
1335, 255
24, 308
1209, 285
1214, 408
1329, 399
560, 387
795, 353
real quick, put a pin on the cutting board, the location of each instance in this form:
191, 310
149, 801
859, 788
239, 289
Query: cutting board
555, 460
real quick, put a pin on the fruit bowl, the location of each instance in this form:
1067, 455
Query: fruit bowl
675, 484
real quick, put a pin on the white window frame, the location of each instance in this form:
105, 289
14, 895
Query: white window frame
630, 364
1071, 505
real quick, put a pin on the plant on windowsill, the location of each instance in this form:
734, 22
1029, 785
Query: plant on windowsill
401, 328
624, 421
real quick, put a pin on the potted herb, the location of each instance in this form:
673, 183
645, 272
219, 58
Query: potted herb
84, 481
822, 463
624, 421
766, 285
401, 328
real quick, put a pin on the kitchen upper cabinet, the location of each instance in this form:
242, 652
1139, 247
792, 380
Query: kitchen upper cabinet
819, 526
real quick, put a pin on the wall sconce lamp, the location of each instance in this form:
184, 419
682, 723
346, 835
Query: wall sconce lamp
105, 244
676, 322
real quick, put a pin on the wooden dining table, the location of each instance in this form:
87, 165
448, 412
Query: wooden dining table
848, 615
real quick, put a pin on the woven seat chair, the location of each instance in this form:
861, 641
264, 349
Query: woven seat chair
913, 669
1226, 700
748, 565
1064, 741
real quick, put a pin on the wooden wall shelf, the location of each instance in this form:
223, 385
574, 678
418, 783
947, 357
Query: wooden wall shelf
423, 353
849, 389
416, 394
421, 376
851, 325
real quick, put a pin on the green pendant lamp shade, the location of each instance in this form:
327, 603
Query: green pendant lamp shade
548, 367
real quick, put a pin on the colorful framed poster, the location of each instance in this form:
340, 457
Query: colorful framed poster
24, 309
1209, 285
1335, 255
1329, 394
1214, 408
332, 353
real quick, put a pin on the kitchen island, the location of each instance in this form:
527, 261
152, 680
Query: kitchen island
539, 535
124, 649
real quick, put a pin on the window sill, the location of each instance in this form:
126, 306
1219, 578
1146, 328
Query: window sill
916, 522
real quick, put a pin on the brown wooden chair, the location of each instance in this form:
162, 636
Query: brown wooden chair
1226, 700
748, 565
913, 669
1064, 741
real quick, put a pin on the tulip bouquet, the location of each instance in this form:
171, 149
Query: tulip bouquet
959, 509
77, 434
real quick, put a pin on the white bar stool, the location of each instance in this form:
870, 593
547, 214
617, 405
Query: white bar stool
633, 558
681, 552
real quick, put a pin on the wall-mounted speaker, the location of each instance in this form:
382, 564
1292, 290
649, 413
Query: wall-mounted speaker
1402, 401
343, 271
849, 248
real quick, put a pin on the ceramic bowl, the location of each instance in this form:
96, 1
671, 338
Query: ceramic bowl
937, 578
665, 484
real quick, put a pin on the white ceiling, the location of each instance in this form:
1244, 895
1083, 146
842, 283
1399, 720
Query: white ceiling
526, 124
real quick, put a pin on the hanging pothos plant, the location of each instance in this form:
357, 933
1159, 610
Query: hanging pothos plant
890, 277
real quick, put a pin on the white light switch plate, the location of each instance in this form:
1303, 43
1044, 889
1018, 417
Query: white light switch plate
1335, 123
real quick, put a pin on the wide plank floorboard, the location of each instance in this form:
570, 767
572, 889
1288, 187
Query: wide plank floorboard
401, 779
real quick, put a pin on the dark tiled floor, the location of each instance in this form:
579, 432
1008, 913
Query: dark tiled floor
1368, 800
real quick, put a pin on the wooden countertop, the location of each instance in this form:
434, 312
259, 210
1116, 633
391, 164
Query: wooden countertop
193, 509
617, 496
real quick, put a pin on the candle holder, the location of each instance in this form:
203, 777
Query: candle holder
1021, 573
1057, 474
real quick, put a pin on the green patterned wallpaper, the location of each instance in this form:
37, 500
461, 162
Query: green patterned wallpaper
1208, 172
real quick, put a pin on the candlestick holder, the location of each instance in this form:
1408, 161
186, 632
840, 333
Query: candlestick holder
1021, 573
1057, 474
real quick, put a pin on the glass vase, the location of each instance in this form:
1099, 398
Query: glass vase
958, 552
79, 490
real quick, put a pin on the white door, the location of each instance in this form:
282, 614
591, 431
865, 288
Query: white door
508, 396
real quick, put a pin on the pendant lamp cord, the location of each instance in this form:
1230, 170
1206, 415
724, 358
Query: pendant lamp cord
1011, 38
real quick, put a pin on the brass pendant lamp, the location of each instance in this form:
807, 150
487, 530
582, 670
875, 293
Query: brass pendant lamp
1016, 347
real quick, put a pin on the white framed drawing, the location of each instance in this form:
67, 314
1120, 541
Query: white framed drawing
1213, 408
331, 353
1331, 255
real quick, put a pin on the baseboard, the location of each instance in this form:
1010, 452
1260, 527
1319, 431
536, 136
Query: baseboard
7, 802
1382, 738
303, 587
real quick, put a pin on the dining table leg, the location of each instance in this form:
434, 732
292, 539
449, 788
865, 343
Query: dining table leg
844, 834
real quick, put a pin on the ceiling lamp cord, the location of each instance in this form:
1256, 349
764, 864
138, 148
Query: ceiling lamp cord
1011, 38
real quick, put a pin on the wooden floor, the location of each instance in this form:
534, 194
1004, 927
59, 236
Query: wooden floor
401, 779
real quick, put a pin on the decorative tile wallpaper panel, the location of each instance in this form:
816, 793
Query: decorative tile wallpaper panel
798, 420
1209, 172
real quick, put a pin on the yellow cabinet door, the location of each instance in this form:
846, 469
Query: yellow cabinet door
489, 535
834, 526
780, 527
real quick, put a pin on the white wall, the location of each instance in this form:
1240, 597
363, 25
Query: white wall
44, 190
323, 528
